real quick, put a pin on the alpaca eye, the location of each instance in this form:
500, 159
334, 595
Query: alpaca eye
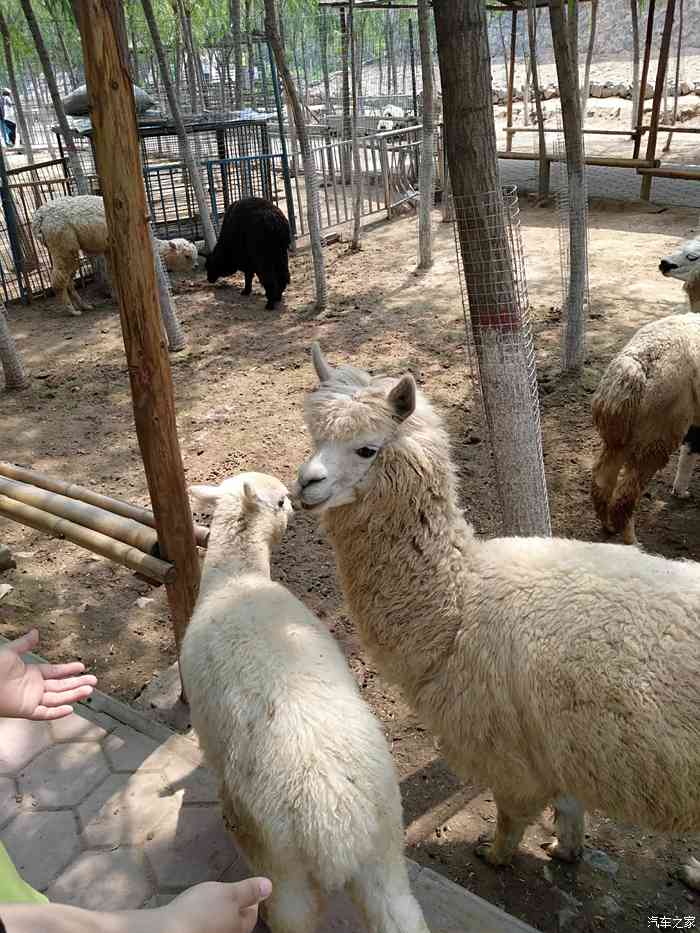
280, 504
366, 452
691, 257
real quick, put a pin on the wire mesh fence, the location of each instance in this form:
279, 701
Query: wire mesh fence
500, 352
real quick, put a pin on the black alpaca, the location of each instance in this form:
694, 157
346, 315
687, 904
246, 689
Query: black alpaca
254, 239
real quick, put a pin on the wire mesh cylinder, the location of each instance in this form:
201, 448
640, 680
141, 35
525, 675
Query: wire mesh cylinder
501, 352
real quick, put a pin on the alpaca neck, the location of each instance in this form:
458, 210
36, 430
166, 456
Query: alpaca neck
693, 290
402, 552
238, 547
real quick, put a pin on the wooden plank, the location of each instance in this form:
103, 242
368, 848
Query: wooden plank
511, 76
591, 132
680, 174
645, 74
117, 154
661, 69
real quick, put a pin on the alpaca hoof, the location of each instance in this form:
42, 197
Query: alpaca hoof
680, 495
563, 853
689, 874
74, 312
486, 851
270, 306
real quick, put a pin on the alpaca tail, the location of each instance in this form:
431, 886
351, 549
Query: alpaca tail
382, 892
617, 400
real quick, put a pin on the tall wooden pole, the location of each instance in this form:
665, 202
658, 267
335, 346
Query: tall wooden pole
643, 80
511, 77
118, 163
661, 69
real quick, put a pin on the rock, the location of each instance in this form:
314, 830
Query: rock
686, 88
566, 919
621, 90
550, 92
7, 561
143, 602
649, 92
5, 588
601, 861
608, 906
596, 90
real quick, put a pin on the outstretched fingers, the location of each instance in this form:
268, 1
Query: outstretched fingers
62, 697
62, 684
46, 714
61, 671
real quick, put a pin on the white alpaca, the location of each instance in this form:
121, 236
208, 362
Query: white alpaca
307, 781
68, 225
684, 264
646, 403
551, 670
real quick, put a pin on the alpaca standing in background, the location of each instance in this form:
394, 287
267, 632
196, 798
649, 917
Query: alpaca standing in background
647, 400
553, 671
307, 782
684, 265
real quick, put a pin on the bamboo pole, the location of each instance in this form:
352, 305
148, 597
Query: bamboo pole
73, 491
661, 69
89, 516
118, 163
94, 541
645, 75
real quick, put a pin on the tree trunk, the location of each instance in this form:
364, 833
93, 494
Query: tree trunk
589, 57
391, 51
12, 78
345, 162
567, 73
634, 10
71, 152
357, 165
532, 38
676, 86
312, 202
502, 345
323, 43
249, 46
15, 374
185, 148
237, 53
184, 16
427, 161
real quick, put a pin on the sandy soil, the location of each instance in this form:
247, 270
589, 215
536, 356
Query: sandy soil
239, 389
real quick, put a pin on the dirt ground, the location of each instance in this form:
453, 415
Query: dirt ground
239, 390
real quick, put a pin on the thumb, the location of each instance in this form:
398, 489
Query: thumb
25, 642
250, 892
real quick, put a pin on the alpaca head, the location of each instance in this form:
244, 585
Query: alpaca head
361, 427
684, 264
245, 499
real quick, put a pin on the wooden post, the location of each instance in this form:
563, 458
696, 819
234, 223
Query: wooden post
661, 70
119, 167
645, 75
511, 78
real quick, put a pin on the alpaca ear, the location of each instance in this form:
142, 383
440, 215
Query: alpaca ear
206, 495
173, 246
249, 499
402, 398
323, 370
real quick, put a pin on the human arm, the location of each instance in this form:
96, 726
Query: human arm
206, 908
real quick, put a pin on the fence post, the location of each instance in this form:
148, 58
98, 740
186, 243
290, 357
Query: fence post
384, 160
413, 68
8, 206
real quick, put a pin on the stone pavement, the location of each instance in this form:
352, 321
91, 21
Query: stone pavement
107, 809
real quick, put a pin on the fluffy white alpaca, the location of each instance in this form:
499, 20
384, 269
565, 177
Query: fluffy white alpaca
646, 403
551, 670
684, 264
307, 781
67, 226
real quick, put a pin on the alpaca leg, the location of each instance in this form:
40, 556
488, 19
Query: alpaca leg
687, 458
568, 846
511, 821
635, 479
382, 893
248, 287
603, 481
62, 282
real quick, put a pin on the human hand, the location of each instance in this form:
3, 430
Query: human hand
213, 907
39, 691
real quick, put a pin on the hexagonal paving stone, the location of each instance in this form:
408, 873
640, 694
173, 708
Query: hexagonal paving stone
64, 774
41, 844
20, 741
9, 805
189, 847
129, 750
76, 728
115, 880
197, 781
123, 812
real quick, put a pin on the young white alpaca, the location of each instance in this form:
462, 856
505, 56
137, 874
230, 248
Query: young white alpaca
68, 225
684, 264
307, 781
551, 670
646, 403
